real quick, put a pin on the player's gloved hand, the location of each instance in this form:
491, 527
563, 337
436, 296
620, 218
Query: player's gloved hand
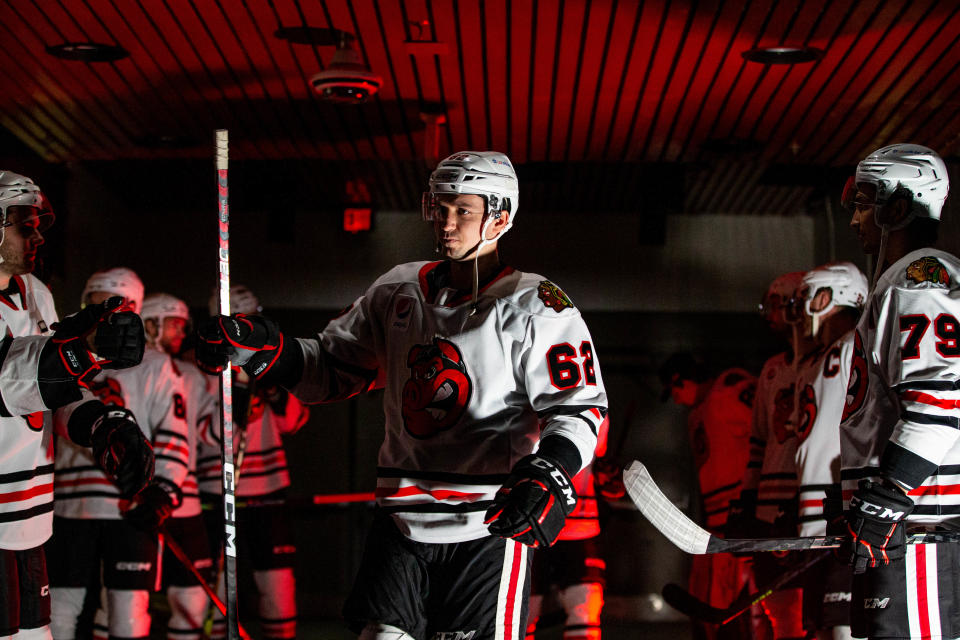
608, 478
252, 342
533, 503
121, 450
742, 519
152, 506
876, 523
110, 328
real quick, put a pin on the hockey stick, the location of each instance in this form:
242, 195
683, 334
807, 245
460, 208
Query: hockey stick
690, 537
184, 559
226, 397
688, 604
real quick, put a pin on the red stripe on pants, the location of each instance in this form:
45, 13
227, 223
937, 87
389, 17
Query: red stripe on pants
923, 610
509, 622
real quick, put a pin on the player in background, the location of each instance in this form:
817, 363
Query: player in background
493, 398
832, 297
576, 564
46, 365
719, 428
96, 530
767, 505
899, 447
166, 320
263, 414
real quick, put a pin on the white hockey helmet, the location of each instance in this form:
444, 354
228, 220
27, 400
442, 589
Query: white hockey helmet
118, 281
160, 306
242, 300
911, 170
489, 174
846, 284
20, 191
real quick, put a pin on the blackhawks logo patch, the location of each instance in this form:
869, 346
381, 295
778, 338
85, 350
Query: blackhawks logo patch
552, 296
928, 269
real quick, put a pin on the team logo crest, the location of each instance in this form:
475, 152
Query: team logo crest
928, 269
808, 412
438, 390
782, 414
109, 392
857, 386
552, 296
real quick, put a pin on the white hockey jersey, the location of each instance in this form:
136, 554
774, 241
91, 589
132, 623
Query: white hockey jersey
154, 393
263, 470
904, 386
771, 469
821, 395
467, 394
201, 410
26, 429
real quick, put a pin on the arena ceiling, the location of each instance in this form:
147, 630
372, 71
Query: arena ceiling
608, 93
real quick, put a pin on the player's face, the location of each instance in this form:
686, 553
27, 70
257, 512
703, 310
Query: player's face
863, 221
172, 334
21, 240
458, 225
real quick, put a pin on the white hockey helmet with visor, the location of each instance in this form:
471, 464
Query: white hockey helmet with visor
118, 281
842, 282
488, 174
909, 170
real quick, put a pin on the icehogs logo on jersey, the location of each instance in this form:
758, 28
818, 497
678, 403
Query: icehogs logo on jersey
34, 420
109, 392
552, 296
857, 387
808, 412
438, 391
928, 269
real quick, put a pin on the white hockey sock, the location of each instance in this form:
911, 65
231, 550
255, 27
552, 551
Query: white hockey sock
278, 603
128, 613
583, 603
39, 633
66, 604
188, 609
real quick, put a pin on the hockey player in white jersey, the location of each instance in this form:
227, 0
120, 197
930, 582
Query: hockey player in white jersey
493, 397
899, 436
264, 415
767, 502
42, 370
95, 525
166, 320
832, 297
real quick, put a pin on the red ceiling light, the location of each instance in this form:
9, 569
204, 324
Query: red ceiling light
783, 55
88, 51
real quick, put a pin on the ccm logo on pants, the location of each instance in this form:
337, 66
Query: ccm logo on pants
134, 566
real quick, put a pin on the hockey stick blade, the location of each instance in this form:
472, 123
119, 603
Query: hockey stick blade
691, 538
688, 604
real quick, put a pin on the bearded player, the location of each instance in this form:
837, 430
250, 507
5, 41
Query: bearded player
45, 366
493, 398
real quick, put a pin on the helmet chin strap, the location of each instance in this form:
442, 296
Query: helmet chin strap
476, 260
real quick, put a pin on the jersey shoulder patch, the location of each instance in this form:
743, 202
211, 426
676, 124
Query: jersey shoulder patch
553, 297
928, 269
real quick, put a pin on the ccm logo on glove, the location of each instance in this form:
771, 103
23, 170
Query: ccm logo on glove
882, 512
558, 477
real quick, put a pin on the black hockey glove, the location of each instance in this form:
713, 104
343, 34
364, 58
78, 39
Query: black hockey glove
252, 342
67, 360
152, 506
121, 450
533, 503
876, 523
608, 478
119, 339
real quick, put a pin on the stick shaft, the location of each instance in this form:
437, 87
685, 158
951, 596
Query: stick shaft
226, 396
694, 539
